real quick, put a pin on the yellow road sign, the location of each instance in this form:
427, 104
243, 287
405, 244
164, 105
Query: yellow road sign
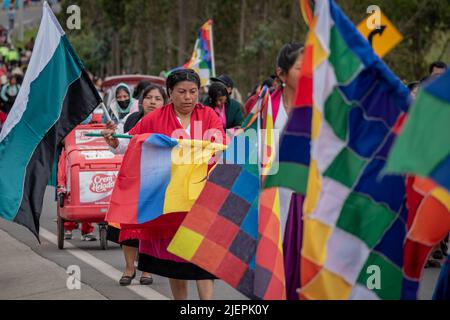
384, 38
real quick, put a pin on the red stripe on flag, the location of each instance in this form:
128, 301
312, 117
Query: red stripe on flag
125, 196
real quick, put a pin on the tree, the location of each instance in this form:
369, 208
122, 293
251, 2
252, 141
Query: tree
148, 36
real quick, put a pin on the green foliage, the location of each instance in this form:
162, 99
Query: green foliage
145, 35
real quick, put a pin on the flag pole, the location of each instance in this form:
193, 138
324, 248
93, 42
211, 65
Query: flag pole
105, 111
213, 58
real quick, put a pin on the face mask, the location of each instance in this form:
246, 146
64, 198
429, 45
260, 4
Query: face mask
123, 104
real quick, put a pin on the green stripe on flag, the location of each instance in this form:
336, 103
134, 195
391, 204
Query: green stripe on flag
45, 102
346, 64
290, 175
364, 218
424, 141
336, 114
346, 168
390, 277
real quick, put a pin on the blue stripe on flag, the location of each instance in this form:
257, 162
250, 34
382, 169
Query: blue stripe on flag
155, 176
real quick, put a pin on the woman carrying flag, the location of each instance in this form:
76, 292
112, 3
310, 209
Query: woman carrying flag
183, 118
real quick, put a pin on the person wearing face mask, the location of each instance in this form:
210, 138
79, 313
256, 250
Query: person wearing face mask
120, 107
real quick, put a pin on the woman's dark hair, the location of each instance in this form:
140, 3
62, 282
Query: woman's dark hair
288, 55
254, 91
150, 88
437, 64
217, 90
122, 88
411, 86
268, 82
182, 75
140, 87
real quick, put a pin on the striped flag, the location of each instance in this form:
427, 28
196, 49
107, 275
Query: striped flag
354, 217
56, 95
159, 175
202, 60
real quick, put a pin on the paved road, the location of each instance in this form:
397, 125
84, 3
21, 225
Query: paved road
31, 15
100, 269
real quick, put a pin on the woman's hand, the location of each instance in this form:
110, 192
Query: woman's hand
111, 125
111, 128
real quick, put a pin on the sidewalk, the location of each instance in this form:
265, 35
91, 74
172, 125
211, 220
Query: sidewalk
26, 275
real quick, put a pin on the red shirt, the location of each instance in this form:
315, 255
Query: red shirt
165, 121
2, 117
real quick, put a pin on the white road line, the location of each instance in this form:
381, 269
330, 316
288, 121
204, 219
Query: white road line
99, 265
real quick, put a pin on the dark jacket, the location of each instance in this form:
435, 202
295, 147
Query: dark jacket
132, 121
233, 112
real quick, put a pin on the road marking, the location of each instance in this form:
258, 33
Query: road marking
99, 265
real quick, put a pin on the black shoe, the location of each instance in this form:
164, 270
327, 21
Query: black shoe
438, 255
444, 248
126, 280
433, 264
146, 281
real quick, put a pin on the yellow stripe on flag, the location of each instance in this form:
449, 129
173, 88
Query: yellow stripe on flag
189, 170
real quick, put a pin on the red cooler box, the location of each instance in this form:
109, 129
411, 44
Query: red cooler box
87, 170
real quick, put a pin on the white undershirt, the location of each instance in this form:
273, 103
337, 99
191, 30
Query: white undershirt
188, 129
284, 194
123, 143
282, 116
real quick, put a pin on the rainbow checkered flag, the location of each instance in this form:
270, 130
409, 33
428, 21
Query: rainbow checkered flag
202, 60
233, 231
422, 150
354, 216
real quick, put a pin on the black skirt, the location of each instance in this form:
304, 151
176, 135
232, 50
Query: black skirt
113, 235
172, 269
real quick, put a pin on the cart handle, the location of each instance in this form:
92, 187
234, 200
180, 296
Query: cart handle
118, 136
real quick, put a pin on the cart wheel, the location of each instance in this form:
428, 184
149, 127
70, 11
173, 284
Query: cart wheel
103, 238
60, 230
